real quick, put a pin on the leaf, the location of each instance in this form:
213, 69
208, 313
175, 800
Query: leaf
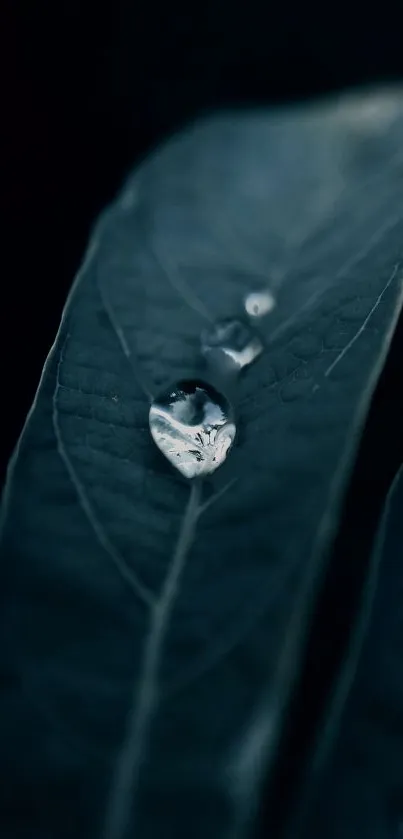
110, 628
361, 784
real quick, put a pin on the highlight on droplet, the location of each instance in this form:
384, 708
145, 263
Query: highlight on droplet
259, 303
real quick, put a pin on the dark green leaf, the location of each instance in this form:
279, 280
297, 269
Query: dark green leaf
308, 201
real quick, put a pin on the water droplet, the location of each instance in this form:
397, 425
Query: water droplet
259, 303
193, 426
230, 345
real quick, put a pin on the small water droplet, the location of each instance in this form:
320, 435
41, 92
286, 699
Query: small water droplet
259, 303
193, 426
230, 345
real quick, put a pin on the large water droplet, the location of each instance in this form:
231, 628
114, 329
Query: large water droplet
259, 303
230, 345
193, 426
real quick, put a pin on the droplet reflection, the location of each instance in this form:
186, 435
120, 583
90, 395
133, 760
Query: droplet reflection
193, 426
259, 303
230, 345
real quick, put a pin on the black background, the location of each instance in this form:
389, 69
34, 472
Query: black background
88, 88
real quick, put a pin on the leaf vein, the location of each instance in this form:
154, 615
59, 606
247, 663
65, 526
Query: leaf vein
363, 326
145, 699
126, 573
